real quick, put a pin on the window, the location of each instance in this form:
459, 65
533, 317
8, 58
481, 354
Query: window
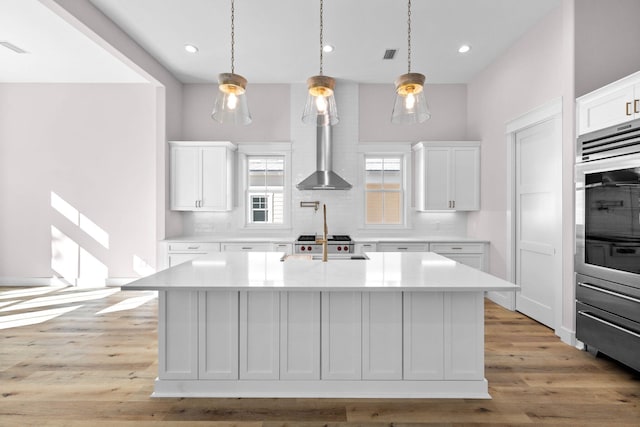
384, 192
265, 189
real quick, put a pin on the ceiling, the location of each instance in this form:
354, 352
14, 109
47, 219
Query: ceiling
276, 41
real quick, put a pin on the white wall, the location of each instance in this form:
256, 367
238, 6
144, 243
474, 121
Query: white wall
535, 70
168, 124
526, 76
361, 112
607, 49
268, 105
448, 121
93, 146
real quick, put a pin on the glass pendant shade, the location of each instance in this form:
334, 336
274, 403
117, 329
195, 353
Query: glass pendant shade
231, 101
320, 108
410, 104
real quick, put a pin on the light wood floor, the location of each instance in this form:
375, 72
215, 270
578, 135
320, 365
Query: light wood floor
87, 367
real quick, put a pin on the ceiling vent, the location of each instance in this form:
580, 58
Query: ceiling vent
389, 53
12, 47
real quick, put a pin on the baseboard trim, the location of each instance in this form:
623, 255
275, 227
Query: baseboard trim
567, 336
502, 299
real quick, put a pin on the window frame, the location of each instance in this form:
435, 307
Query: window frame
267, 149
399, 150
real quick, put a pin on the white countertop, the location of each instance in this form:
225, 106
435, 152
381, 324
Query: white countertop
232, 238
383, 271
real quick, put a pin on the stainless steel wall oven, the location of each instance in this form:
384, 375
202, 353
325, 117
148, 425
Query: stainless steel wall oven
608, 242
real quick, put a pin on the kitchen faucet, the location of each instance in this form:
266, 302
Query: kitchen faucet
325, 236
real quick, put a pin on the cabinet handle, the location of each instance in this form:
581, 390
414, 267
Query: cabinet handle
457, 249
246, 248
636, 105
454, 204
193, 247
628, 108
402, 249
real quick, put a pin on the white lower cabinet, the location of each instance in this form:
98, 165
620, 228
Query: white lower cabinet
341, 335
471, 254
178, 335
246, 247
180, 252
382, 336
259, 335
218, 335
464, 336
300, 335
402, 247
279, 338
423, 336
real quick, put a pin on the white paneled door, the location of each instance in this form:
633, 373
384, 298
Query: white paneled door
537, 219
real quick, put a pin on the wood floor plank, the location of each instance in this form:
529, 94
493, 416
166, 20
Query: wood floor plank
94, 367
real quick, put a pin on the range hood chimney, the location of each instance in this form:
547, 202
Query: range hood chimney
324, 178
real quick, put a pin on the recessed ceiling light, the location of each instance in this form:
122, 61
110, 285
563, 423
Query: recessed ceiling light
191, 48
464, 48
327, 48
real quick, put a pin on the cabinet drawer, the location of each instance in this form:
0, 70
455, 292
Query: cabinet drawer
246, 247
402, 247
453, 248
194, 247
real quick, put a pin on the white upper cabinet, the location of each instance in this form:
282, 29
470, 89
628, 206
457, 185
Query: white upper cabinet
202, 175
610, 105
446, 176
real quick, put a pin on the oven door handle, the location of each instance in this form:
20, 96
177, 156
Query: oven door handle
597, 319
606, 291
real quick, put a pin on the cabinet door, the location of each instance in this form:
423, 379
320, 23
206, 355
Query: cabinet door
246, 247
178, 335
423, 336
300, 335
215, 185
465, 182
341, 333
437, 178
382, 336
402, 247
185, 178
463, 336
472, 260
259, 335
175, 259
218, 335
600, 111
361, 248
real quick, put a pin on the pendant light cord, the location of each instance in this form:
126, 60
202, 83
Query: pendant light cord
321, 33
409, 36
233, 35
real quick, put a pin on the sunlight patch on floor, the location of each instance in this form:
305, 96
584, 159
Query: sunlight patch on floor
130, 303
61, 299
32, 318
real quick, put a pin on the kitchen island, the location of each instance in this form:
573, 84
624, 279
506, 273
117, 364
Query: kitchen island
254, 325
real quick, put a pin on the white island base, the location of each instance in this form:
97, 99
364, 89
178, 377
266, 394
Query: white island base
321, 344
397, 325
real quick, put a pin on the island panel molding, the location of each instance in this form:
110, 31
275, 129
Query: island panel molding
246, 324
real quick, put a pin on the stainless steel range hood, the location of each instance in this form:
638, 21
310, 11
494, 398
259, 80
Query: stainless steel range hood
324, 178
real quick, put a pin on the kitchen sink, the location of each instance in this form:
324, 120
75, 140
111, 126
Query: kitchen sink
330, 257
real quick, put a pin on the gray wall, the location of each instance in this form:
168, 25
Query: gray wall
607, 35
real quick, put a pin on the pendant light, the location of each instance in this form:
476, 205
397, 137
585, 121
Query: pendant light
320, 108
231, 102
410, 104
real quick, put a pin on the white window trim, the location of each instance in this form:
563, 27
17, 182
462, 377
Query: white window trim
264, 149
398, 149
